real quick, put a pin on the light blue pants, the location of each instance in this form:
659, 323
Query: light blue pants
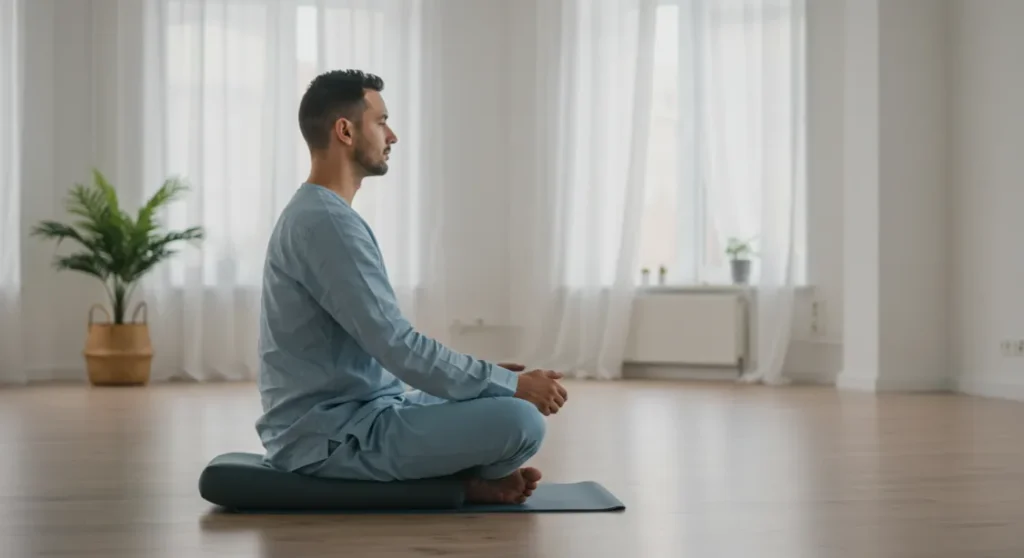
429, 437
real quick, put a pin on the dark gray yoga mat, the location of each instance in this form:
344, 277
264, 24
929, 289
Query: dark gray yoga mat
242, 482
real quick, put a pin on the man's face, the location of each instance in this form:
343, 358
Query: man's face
373, 139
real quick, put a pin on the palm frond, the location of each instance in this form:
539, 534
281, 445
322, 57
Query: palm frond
108, 192
158, 249
119, 250
193, 233
84, 263
86, 202
147, 263
59, 232
171, 189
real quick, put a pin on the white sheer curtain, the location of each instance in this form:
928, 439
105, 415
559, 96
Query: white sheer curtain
573, 262
11, 364
742, 119
667, 127
225, 80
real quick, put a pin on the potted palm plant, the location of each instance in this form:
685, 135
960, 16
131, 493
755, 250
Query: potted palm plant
740, 253
118, 250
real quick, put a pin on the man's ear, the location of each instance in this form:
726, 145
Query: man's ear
343, 129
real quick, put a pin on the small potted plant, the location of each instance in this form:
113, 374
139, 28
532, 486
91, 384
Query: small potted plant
118, 250
740, 253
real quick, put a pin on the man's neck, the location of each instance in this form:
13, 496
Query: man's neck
341, 180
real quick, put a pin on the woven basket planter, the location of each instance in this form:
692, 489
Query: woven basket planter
118, 354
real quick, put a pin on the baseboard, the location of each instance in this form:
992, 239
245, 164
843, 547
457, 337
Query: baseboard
996, 389
811, 377
58, 375
911, 384
914, 384
671, 372
637, 371
856, 382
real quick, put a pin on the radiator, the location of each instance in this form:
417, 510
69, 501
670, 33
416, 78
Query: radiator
689, 328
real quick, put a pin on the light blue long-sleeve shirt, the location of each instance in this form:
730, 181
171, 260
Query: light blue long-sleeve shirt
334, 347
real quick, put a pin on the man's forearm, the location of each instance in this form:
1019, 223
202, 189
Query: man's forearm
427, 365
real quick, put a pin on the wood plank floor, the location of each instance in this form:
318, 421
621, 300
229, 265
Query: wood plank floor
705, 470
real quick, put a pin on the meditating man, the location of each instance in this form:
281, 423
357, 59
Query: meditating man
336, 353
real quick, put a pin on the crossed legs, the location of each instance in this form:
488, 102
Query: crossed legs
487, 441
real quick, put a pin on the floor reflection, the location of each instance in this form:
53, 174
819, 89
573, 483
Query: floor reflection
377, 534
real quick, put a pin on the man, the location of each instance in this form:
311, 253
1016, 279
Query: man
336, 352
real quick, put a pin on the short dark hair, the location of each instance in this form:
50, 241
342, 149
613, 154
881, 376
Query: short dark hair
330, 96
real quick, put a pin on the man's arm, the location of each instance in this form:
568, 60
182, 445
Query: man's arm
340, 265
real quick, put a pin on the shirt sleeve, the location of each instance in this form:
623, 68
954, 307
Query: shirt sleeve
342, 268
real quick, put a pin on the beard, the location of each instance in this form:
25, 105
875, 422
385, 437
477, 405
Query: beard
371, 161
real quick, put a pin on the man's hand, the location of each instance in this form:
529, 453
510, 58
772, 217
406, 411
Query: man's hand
512, 366
541, 388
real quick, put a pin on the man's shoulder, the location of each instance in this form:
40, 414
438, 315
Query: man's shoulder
314, 211
316, 201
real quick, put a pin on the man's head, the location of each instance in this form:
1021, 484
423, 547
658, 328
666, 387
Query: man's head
343, 112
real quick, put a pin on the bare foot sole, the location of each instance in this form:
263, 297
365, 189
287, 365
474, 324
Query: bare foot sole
513, 489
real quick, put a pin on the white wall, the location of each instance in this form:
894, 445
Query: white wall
860, 108
895, 196
987, 169
913, 146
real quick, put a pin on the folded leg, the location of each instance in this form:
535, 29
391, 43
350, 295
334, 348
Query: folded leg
489, 438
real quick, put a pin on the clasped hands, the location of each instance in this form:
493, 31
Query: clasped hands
539, 387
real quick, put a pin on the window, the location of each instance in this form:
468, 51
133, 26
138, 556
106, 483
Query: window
723, 74
234, 73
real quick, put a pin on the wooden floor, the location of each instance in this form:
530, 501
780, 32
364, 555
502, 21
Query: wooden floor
705, 470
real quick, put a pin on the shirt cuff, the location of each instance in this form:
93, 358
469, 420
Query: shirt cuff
504, 382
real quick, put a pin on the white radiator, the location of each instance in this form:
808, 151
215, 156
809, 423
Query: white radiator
689, 328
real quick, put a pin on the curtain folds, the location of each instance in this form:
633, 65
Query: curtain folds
11, 88
573, 274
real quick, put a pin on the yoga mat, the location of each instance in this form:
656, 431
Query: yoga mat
587, 496
243, 483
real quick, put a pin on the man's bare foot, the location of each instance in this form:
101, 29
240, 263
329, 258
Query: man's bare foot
513, 489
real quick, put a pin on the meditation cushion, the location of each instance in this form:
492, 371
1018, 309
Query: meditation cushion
242, 481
